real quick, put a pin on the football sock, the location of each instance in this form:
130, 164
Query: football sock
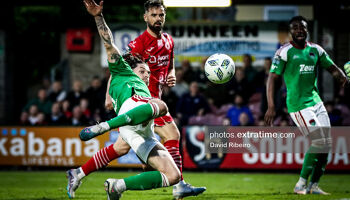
173, 148
310, 160
146, 181
135, 116
317, 172
301, 181
99, 160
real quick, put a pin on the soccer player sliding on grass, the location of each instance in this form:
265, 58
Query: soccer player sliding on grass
136, 111
298, 62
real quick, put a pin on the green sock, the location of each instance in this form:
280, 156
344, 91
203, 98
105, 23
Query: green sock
134, 116
310, 160
144, 181
319, 168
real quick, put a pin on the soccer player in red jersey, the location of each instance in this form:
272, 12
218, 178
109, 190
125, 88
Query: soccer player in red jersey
157, 48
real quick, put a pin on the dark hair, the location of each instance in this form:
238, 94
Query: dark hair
132, 60
298, 19
153, 3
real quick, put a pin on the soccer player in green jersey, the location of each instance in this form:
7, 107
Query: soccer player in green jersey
136, 109
298, 62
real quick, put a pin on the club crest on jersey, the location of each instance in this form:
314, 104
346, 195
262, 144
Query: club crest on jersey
160, 43
312, 55
312, 122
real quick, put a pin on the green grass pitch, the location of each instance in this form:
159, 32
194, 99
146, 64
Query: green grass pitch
52, 186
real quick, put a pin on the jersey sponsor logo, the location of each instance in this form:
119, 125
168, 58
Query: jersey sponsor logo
306, 69
160, 60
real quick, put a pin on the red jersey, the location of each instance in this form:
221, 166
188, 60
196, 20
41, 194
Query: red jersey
160, 53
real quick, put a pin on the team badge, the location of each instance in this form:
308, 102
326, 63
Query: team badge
312, 122
312, 55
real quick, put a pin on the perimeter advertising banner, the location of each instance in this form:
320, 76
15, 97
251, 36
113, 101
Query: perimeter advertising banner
195, 41
257, 148
54, 146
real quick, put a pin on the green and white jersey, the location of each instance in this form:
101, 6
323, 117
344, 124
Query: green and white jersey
299, 69
124, 83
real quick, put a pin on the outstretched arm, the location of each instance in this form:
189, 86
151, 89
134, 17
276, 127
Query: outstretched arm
270, 91
171, 79
338, 74
108, 100
95, 10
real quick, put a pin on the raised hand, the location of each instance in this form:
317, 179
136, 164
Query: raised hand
93, 8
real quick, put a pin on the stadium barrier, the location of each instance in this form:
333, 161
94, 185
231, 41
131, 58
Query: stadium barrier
282, 148
54, 146
61, 146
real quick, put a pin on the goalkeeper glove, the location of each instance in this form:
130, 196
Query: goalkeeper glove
347, 69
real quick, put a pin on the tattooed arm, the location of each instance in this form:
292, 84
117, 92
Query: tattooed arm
95, 10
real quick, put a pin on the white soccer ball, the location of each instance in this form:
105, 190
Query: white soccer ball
219, 68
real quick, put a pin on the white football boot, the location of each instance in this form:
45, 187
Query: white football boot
300, 189
183, 189
314, 189
112, 190
73, 183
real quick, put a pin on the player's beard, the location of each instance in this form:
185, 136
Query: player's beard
154, 28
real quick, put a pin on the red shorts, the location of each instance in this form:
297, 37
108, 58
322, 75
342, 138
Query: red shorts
160, 121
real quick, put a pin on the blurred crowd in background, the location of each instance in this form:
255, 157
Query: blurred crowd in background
193, 101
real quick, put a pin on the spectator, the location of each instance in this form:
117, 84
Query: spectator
84, 106
188, 73
191, 104
263, 76
96, 95
181, 86
170, 98
56, 117
75, 95
334, 114
57, 93
78, 119
244, 119
249, 71
43, 104
199, 74
35, 117
238, 108
24, 121
238, 85
66, 111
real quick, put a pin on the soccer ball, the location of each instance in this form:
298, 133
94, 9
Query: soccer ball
219, 68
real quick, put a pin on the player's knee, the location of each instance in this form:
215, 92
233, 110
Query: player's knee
161, 106
173, 176
120, 151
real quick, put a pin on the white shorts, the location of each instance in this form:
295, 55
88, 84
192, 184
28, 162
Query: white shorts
311, 118
140, 137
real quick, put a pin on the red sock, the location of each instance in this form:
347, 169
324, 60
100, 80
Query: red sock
173, 147
100, 159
